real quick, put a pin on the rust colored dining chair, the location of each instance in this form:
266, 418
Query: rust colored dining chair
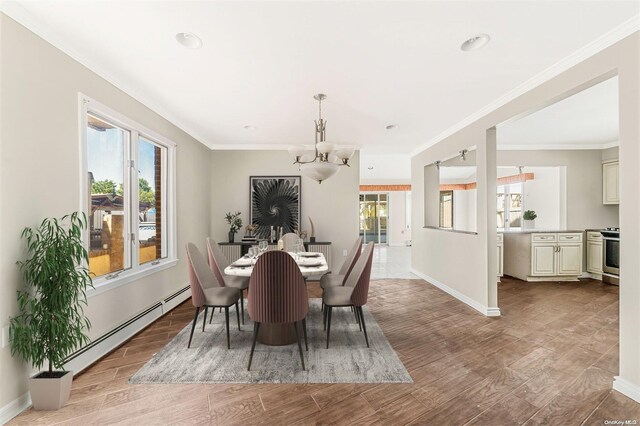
277, 295
289, 240
218, 262
205, 290
332, 280
353, 293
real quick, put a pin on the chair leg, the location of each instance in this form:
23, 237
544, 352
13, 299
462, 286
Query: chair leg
355, 312
364, 326
295, 326
238, 316
213, 311
329, 309
204, 319
324, 317
256, 327
226, 316
193, 327
304, 329
242, 304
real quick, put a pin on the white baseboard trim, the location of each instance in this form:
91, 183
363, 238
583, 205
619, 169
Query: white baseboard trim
104, 344
627, 388
487, 311
14, 408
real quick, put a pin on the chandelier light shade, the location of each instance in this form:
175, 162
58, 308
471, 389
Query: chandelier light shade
319, 171
320, 168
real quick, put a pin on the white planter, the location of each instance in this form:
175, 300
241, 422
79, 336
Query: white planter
529, 224
50, 393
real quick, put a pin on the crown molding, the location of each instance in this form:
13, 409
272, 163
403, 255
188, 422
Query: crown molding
249, 147
558, 147
19, 14
608, 39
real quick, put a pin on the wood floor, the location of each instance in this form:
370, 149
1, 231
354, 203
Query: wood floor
550, 359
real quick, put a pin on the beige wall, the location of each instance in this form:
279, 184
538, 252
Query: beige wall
39, 176
467, 263
332, 205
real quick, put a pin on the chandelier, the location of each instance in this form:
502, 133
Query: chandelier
321, 168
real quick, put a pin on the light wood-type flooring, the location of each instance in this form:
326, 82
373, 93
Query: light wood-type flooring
549, 359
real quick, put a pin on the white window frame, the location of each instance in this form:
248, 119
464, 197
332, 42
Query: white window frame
507, 194
136, 271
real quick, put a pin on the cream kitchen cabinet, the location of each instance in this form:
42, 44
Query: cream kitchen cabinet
500, 242
611, 183
594, 252
543, 256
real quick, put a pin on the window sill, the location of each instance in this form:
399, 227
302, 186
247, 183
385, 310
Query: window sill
455, 231
102, 285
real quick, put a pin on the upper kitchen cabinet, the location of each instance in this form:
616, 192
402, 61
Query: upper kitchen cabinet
610, 183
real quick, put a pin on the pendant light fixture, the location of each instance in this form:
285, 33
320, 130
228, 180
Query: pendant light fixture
320, 168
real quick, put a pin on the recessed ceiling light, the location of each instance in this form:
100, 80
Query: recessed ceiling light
249, 127
391, 126
370, 167
475, 43
189, 40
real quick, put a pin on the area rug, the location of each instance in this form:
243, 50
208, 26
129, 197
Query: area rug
348, 360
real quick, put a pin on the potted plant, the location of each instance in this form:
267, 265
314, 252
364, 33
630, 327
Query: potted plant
235, 223
529, 219
51, 323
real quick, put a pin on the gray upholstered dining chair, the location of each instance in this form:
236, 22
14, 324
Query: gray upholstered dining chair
218, 262
278, 295
289, 240
205, 291
353, 293
332, 280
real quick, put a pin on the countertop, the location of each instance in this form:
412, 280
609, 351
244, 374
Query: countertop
540, 231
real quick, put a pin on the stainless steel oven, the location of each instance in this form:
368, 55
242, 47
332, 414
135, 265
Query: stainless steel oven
611, 255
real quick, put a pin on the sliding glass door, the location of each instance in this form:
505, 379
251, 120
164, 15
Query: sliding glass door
373, 217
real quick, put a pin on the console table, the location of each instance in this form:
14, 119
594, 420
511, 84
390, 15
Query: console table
234, 251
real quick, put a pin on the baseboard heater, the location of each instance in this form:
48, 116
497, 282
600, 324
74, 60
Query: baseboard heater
103, 345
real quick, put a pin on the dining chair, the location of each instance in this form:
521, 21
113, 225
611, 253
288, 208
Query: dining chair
331, 280
353, 293
206, 291
289, 240
278, 295
218, 262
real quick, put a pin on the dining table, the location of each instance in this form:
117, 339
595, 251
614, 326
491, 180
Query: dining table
310, 264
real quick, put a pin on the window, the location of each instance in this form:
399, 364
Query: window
446, 209
510, 205
128, 194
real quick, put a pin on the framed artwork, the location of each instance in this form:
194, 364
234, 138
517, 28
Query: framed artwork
275, 201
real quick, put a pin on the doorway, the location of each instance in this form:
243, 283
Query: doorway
374, 216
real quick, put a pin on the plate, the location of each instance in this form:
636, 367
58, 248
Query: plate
309, 254
311, 265
242, 263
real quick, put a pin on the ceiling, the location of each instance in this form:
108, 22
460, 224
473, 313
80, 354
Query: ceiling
588, 119
379, 62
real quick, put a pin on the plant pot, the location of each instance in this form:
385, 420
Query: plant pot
312, 239
232, 236
529, 224
50, 393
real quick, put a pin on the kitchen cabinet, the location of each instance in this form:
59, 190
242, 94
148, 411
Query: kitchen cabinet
500, 242
594, 252
543, 256
611, 182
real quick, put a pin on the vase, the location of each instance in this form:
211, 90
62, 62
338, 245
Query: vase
529, 224
231, 236
50, 391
